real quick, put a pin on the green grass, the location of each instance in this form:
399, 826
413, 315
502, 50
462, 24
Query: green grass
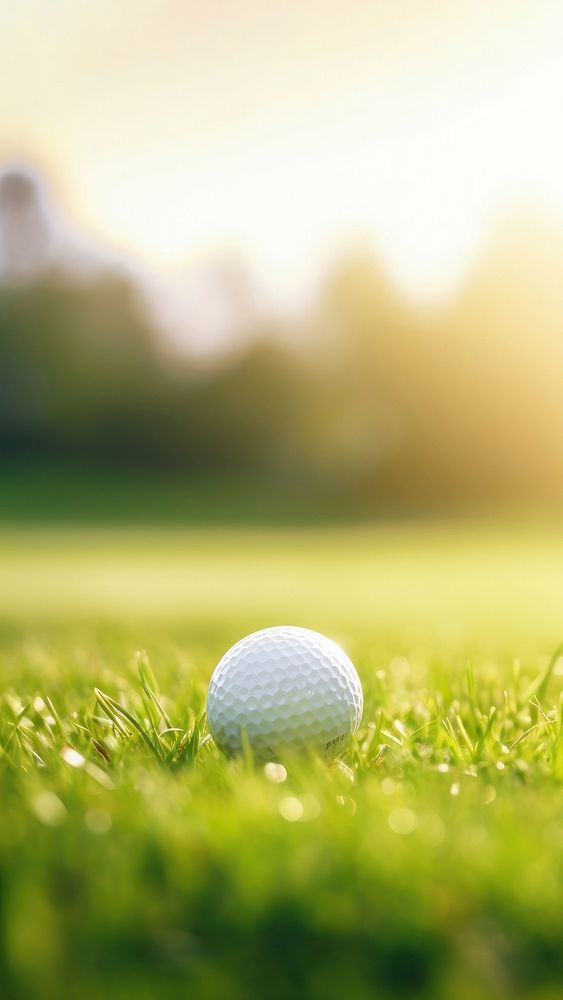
135, 861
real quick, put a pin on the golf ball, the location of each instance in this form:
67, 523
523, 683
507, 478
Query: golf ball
285, 688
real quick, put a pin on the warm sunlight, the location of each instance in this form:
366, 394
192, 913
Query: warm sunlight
429, 120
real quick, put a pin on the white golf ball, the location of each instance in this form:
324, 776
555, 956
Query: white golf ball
285, 688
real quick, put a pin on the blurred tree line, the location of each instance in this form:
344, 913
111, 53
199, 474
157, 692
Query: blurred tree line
381, 402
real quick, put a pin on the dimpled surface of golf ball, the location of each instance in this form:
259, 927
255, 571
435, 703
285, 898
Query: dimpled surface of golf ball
285, 688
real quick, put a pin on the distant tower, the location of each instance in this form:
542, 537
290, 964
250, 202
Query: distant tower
25, 239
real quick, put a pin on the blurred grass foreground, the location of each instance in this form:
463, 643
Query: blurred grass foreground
136, 861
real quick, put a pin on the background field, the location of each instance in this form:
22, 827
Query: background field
428, 862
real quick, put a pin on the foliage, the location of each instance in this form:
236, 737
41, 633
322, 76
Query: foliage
381, 404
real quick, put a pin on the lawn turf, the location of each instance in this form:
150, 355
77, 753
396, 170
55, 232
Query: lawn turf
136, 861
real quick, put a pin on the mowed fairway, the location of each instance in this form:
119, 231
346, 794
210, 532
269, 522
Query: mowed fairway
136, 861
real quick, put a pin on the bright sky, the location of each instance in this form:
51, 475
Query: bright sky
173, 128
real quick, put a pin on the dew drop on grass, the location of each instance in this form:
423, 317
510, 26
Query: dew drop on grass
290, 808
402, 821
72, 757
388, 786
49, 809
276, 773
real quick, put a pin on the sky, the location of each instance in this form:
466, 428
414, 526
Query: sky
173, 130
